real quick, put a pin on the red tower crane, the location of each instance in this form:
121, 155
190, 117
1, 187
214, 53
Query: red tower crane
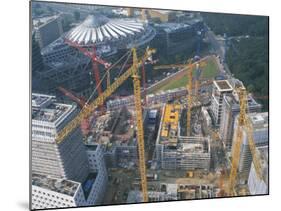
92, 53
85, 125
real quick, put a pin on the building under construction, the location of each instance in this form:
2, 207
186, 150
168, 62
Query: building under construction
115, 131
174, 151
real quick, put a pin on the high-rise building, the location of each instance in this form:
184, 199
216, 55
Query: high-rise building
230, 109
65, 160
259, 123
47, 29
68, 173
220, 89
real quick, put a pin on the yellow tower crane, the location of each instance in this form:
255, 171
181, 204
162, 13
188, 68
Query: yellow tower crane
189, 67
189, 97
243, 122
89, 108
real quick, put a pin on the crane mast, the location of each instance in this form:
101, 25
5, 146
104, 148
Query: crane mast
89, 108
189, 98
243, 121
140, 136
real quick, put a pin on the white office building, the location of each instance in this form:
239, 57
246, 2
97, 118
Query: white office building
220, 89
61, 175
65, 160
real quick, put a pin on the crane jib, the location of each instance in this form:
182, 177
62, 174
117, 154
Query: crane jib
88, 109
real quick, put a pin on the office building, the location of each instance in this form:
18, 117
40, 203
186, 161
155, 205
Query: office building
230, 109
220, 89
65, 160
259, 123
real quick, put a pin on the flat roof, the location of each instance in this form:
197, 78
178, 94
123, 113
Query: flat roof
223, 85
39, 100
44, 108
63, 186
259, 120
163, 11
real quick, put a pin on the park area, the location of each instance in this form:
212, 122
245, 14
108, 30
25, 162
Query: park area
180, 79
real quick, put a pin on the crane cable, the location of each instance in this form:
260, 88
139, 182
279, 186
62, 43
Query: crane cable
103, 77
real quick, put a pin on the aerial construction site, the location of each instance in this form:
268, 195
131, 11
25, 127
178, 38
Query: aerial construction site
118, 118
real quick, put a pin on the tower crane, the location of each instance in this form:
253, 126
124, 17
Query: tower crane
85, 124
189, 67
243, 122
89, 108
92, 54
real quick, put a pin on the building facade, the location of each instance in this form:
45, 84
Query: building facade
179, 152
259, 123
220, 89
67, 159
47, 30
255, 184
61, 173
230, 109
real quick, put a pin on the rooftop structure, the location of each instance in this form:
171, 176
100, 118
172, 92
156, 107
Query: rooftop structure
62, 186
49, 192
162, 15
220, 89
97, 29
170, 27
223, 85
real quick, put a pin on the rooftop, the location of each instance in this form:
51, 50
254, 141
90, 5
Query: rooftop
169, 27
194, 144
62, 186
163, 11
259, 120
223, 85
40, 100
98, 28
44, 108
39, 22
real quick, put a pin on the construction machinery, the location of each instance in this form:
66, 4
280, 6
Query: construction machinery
189, 67
243, 123
85, 125
89, 108
92, 54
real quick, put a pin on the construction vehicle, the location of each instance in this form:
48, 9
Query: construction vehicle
243, 122
89, 108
